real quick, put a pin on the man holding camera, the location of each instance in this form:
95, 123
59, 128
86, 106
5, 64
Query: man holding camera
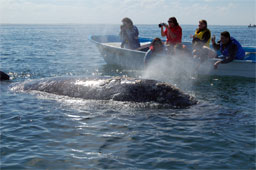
173, 31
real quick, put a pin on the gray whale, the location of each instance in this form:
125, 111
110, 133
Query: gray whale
114, 88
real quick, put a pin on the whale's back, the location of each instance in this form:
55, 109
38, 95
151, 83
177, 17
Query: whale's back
117, 88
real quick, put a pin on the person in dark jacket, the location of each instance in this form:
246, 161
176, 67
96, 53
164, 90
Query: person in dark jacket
229, 47
129, 34
157, 50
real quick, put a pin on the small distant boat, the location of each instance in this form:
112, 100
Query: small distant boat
109, 47
251, 25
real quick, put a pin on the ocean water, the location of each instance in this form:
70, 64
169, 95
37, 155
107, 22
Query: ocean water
44, 131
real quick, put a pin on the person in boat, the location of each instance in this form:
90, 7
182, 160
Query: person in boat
201, 42
229, 47
202, 34
129, 34
172, 32
157, 49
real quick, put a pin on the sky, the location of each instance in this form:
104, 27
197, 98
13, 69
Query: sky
216, 12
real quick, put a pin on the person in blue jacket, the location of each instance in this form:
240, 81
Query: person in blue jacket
129, 34
229, 47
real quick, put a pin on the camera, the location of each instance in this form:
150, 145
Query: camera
160, 25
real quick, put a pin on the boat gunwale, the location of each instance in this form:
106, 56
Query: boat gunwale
119, 48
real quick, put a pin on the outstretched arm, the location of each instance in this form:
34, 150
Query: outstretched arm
232, 54
231, 57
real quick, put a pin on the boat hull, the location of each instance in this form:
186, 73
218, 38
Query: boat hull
109, 47
129, 59
241, 68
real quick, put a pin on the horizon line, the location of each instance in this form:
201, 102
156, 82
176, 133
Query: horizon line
107, 24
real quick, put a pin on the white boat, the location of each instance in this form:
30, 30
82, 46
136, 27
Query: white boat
110, 48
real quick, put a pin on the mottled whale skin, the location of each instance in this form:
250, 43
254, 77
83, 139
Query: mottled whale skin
114, 88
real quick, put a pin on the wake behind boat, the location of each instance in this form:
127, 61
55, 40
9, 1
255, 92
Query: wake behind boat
110, 48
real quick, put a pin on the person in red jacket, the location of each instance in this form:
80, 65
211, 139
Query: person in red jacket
172, 32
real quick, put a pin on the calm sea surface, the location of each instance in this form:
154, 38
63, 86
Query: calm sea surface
43, 131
